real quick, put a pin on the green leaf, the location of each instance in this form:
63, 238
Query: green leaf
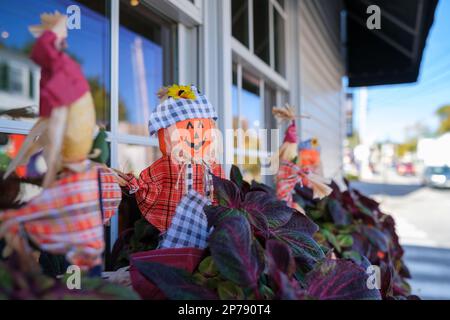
352, 255
101, 144
266, 292
230, 291
331, 238
208, 268
315, 214
6, 279
345, 240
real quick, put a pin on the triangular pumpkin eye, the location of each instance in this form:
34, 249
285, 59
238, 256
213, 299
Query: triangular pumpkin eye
189, 125
200, 125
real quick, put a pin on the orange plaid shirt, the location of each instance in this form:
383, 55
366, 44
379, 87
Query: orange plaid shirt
160, 188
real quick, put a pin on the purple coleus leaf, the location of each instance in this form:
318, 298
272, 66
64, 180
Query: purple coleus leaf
301, 223
237, 255
304, 248
281, 266
258, 203
216, 214
366, 201
279, 257
256, 186
387, 285
340, 280
176, 284
376, 237
337, 193
388, 224
236, 177
304, 192
339, 215
227, 193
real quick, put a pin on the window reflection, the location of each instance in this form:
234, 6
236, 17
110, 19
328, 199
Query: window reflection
10, 145
135, 158
279, 38
145, 66
261, 30
247, 120
19, 76
240, 21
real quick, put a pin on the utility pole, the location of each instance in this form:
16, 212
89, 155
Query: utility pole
365, 172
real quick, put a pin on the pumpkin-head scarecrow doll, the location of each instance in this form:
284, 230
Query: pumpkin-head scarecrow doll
309, 156
79, 196
184, 121
290, 173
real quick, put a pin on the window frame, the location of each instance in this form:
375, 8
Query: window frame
248, 53
280, 98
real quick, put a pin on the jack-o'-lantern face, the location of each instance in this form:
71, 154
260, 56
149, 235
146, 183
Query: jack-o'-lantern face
192, 138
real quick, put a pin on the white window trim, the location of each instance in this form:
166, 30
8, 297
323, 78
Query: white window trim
250, 60
183, 11
114, 112
279, 8
254, 64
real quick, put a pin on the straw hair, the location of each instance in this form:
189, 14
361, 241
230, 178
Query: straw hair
287, 113
48, 21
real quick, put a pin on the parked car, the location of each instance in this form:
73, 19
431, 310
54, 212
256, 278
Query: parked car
406, 169
437, 177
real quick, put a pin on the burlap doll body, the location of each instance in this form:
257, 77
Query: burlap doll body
185, 124
290, 173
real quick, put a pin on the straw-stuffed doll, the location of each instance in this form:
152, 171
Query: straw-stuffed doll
309, 156
290, 172
79, 196
66, 121
184, 121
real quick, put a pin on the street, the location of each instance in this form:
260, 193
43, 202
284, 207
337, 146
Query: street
423, 224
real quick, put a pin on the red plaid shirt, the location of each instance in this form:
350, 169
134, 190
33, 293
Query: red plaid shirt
160, 188
66, 218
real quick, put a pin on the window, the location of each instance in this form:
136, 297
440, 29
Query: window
9, 148
260, 26
89, 45
240, 21
248, 118
135, 158
279, 42
261, 36
146, 64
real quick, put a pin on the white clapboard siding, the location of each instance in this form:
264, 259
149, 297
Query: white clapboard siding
322, 69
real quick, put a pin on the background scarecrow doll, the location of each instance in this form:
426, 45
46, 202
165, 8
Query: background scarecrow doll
290, 172
185, 123
309, 156
79, 196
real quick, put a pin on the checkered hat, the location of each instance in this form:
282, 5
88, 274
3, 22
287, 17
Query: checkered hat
172, 111
189, 228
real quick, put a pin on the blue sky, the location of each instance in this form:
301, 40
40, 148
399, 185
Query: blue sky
391, 109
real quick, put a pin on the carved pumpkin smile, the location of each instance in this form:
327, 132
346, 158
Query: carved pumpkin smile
194, 146
193, 138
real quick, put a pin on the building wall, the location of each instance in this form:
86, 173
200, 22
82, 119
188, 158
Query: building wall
321, 73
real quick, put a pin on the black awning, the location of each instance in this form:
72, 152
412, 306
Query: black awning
393, 53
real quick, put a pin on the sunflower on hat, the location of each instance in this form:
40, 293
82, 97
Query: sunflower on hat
177, 92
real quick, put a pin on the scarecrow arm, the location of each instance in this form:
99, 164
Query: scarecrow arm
146, 189
45, 52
